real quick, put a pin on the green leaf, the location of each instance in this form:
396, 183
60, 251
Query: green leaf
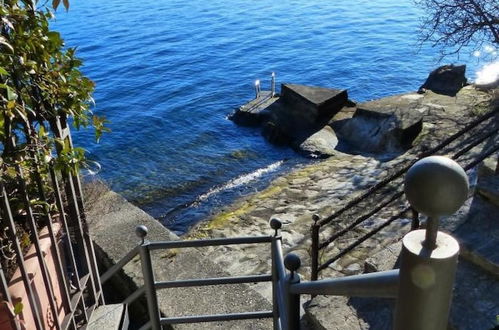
55, 37
3, 71
18, 308
11, 95
25, 241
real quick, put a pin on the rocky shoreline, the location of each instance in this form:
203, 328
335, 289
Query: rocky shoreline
325, 186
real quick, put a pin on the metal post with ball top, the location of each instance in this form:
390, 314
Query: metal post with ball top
435, 186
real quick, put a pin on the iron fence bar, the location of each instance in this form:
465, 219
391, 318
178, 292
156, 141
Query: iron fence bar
314, 253
212, 281
398, 173
39, 253
81, 253
90, 245
59, 126
76, 299
150, 290
29, 132
280, 275
137, 293
216, 317
60, 268
481, 158
475, 143
119, 265
209, 242
75, 276
359, 220
6, 297
280, 270
363, 239
7, 215
62, 213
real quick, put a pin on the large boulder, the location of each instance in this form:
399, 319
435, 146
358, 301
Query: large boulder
321, 144
447, 80
386, 125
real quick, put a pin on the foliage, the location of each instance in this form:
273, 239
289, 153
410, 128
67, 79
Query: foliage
39, 80
41, 86
454, 24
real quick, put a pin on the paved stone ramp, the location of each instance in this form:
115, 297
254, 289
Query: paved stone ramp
112, 221
475, 304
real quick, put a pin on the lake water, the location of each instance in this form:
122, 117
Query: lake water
169, 72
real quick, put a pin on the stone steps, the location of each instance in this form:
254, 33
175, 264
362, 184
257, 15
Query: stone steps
112, 223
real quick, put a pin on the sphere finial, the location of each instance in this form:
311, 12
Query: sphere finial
275, 224
141, 232
292, 262
436, 186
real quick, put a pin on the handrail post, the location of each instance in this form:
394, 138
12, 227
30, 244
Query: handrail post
415, 219
149, 284
292, 263
276, 225
272, 85
435, 186
315, 248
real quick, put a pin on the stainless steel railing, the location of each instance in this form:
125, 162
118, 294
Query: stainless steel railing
151, 286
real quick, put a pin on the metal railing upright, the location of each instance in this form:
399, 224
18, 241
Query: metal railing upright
151, 285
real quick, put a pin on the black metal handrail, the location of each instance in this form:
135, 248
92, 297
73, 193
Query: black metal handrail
396, 193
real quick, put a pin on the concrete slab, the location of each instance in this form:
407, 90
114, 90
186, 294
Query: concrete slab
106, 317
322, 103
255, 111
312, 94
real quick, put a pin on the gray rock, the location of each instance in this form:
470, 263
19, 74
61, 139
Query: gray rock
320, 144
387, 125
447, 80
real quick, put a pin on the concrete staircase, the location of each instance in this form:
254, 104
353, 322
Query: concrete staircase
112, 223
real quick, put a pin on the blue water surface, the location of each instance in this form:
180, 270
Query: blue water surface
169, 72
